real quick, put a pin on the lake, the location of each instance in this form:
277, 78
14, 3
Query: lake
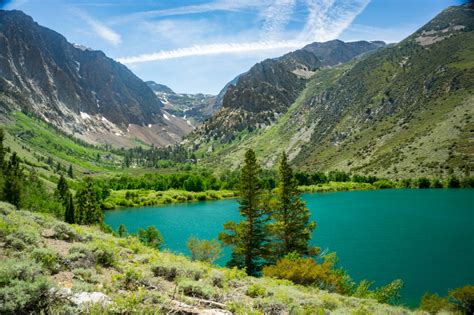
424, 237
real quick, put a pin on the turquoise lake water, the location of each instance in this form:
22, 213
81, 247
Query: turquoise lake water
424, 237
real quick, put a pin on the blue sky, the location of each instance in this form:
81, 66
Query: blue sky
198, 46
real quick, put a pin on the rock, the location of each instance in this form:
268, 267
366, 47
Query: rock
90, 298
48, 233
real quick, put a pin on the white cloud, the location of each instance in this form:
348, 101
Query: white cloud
276, 17
218, 5
326, 20
100, 29
211, 49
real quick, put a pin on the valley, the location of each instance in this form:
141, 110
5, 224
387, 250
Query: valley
335, 178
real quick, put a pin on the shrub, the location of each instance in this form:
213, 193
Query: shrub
463, 298
433, 303
436, 184
306, 271
64, 232
196, 289
21, 239
131, 278
167, 272
453, 182
423, 182
23, 290
105, 256
204, 250
150, 237
256, 290
48, 258
384, 184
389, 293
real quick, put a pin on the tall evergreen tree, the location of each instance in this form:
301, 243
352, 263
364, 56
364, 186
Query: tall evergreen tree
2, 149
69, 214
13, 181
70, 171
122, 231
88, 204
62, 190
248, 238
291, 227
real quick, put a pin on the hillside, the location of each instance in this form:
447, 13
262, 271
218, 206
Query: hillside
79, 90
256, 98
401, 111
63, 268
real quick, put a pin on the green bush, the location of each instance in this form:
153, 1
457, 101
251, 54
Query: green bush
105, 256
256, 290
150, 237
164, 271
204, 250
49, 259
433, 303
306, 271
453, 182
196, 289
23, 289
463, 298
384, 184
21, 239
423, 182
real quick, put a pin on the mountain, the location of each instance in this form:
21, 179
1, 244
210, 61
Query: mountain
79, 90
259, 96
194, 108
402, 110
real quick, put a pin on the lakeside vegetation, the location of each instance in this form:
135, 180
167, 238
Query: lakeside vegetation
284, 271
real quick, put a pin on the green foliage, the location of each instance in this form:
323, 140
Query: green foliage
306, 271
122, 231
453, 182
23, 289
49, 259
290, 227
384, 184
105, 256
204, 250
256, 290
389, 293
196, 289
249, 238
463, 298
433, 303
424, 182
150, 237
88, 204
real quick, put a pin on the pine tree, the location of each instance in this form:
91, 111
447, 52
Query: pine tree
62, 190
88, 205
122, 230
249, 237
70, 171
69, 214
290, 226
13, 181
2, 149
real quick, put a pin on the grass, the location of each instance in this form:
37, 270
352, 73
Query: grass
138, 279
